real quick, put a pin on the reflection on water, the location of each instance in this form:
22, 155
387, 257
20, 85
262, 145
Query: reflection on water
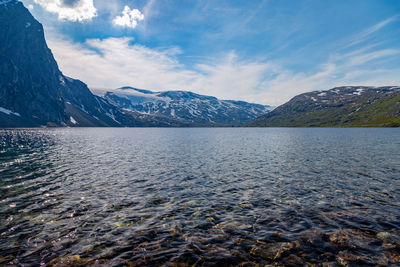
211, 197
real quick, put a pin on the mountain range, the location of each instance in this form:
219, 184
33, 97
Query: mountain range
350, 106
185, 107
34, 92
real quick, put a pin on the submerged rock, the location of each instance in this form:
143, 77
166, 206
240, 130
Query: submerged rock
272, 251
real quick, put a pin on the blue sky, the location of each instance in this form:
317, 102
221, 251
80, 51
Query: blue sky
263, 51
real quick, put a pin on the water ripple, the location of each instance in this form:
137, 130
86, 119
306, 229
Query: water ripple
212, 197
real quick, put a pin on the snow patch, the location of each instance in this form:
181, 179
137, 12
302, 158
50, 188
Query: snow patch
69, 79
72, 120
83, 109
62, 81
9, 112
358, 92
322, 94
112, 116
27, 25
314, 99
137, 97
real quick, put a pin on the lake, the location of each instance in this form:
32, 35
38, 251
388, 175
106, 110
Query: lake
199, 197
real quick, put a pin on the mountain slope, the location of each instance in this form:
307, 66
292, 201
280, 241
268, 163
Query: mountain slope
186, 107
339, 107
33, 91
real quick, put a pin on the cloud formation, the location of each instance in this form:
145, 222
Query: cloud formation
130, 18
72, 10
115, 62
361, 37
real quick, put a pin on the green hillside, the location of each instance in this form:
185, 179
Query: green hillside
338, 107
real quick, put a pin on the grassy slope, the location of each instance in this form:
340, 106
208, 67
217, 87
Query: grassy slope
367, 111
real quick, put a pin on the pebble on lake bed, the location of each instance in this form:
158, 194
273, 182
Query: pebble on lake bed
272, 251
383, 236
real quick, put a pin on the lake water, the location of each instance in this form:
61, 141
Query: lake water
199, 197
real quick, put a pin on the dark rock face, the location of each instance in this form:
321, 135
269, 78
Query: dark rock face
33, 91
348, 106
29, 76
186, 107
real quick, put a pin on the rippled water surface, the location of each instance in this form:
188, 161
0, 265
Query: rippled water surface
199, 197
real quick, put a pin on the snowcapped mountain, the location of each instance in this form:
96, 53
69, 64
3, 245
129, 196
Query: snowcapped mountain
342, 106
34, 92
186, 107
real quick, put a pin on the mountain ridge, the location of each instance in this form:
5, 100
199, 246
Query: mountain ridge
35, 93
185, 106
347, 106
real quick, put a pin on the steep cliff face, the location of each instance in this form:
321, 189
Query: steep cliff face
33, 91
29, 76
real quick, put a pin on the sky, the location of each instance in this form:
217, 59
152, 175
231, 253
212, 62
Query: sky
261, 51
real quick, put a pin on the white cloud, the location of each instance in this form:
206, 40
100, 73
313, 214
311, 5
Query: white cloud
30, 7
115, 62
148, 9
72, 10
130, 18
112, 8
370, 56
361, 37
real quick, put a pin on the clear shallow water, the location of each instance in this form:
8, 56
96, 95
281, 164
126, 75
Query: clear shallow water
211, 197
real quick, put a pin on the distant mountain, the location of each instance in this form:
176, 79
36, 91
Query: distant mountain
185, 107
349, 106
34, 92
